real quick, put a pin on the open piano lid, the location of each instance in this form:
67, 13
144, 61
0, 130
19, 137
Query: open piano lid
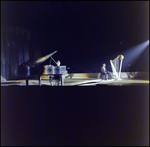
35, 62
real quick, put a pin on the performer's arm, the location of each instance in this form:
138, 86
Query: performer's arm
102, 70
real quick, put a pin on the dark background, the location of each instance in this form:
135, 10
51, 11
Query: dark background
75, 116
85, 33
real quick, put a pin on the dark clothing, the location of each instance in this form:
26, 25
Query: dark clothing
57, 77
102, 70
104, 73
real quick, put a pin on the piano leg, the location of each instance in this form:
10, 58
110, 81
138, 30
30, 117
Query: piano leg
26, 80
39, 78
61, 80
51, 80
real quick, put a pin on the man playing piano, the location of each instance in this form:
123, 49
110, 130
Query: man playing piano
57, 77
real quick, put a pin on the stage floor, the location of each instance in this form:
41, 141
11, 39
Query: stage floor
81, 82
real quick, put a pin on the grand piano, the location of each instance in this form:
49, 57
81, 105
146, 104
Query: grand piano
36, 67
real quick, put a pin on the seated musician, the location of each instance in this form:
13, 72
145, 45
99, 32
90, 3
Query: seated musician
58, 77
105, 74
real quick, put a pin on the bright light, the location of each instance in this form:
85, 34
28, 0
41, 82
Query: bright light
132, 54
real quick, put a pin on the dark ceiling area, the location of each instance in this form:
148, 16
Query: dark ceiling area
85, 33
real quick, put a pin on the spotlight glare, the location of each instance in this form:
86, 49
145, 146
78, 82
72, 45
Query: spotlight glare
132, 54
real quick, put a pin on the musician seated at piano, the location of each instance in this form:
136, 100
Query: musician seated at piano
57, 77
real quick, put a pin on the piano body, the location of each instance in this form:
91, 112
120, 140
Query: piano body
37, 68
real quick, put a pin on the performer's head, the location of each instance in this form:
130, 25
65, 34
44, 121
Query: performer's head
104, 64
58, 63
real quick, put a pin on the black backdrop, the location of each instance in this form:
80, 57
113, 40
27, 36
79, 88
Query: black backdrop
86, 34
